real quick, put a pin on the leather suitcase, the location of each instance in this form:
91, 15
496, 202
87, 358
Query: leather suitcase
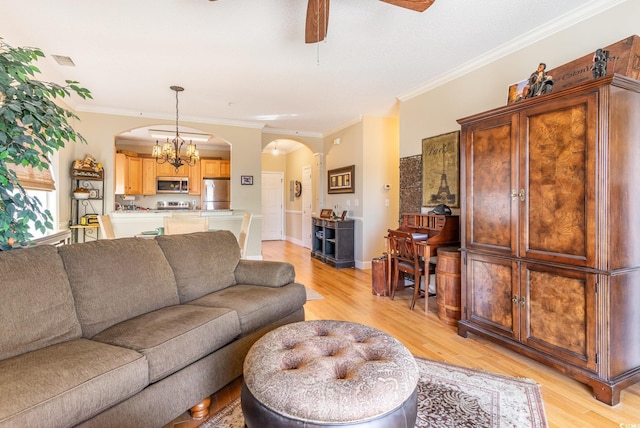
379, 276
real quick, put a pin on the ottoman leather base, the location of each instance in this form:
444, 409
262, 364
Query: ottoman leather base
257, 415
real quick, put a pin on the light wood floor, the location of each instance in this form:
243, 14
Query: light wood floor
347, 296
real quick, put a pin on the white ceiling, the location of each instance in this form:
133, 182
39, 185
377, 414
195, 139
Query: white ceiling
245, 61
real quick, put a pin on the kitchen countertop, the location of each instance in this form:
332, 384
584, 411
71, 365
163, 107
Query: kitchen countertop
134, 222
202, 212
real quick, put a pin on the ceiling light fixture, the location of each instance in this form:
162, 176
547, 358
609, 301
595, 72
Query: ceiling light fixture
275, 148
170, 150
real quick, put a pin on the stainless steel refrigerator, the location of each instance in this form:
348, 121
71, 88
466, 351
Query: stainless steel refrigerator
216, 194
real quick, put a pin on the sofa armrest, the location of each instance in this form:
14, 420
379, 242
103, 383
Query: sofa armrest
265, 273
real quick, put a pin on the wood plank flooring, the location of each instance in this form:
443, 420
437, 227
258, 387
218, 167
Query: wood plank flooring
347, 296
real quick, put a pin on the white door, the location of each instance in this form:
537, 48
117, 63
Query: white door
307, 199
272, 206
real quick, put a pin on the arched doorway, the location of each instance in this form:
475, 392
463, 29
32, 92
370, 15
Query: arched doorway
139, 142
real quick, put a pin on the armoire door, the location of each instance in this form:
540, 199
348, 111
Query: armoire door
557, 180
492, 300
559, 313
490, 180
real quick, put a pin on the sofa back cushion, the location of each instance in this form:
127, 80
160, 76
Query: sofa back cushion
36, 305
113, 280
202, 262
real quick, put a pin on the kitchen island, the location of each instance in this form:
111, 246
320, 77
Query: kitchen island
129, 223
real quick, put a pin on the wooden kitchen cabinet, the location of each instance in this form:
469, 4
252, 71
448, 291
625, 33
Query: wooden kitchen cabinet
195, 180
134, 176
551, 259
215, 168
128, 175
225, 168
210, 168
149, 176
168, 170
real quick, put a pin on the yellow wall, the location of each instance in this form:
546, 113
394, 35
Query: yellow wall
372, 146
435, 111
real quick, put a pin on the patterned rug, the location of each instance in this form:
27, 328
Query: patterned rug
452, 396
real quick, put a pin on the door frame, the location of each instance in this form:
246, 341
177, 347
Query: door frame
307, 199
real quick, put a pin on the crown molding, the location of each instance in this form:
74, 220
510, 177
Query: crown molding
557, 24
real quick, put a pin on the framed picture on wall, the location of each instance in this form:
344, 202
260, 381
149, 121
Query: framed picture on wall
341, 180
441, 170
246, 180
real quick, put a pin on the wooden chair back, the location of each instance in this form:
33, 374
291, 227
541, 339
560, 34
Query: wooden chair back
244, 233
106, 228
405, 258
179, 225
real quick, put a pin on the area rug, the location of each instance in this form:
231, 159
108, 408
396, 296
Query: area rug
451, 396
312, 294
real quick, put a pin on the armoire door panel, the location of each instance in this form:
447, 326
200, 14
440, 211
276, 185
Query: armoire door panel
560, 147
490, 180
559, 313
491, 294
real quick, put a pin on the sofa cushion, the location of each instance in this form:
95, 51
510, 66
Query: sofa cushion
36, 305
213, 257
266, 273
113, 280
171, 338
256, 305
69, 382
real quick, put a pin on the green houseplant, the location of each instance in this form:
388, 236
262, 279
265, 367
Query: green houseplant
32, 126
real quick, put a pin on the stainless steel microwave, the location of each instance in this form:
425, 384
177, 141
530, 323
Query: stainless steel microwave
172, 185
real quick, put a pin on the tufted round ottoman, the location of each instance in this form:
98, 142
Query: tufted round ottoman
329, 374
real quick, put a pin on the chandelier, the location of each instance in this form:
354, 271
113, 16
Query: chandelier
169, 152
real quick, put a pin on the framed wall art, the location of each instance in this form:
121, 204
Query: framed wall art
246, 180
341, 180
441, 170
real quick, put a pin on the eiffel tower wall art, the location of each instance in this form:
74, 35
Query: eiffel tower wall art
441, 170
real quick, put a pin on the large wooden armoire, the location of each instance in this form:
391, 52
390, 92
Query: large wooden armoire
551, 231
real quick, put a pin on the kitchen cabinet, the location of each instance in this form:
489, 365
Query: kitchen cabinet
128, 175
215, 168
195, 180
149, 176
168, 170
551, 259
225, 168
333, 242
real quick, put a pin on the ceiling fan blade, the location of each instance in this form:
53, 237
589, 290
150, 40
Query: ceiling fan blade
417, 5
317, 21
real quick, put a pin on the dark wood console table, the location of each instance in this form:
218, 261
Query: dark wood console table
333, 242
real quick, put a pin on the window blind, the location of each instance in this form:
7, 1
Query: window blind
33, 179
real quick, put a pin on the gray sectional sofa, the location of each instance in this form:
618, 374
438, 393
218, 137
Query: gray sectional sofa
131, 332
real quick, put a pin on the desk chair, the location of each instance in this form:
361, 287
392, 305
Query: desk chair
244, 234
405, 259
180, 225
106, 228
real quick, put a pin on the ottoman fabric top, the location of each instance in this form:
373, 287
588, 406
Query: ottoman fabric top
330, 371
